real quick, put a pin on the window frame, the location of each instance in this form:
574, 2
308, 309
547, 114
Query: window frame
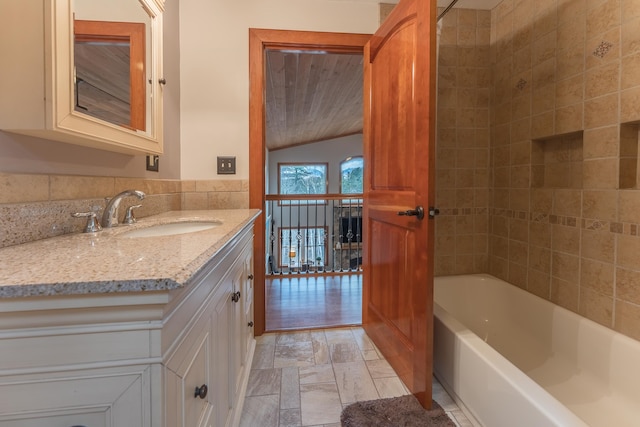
354, 197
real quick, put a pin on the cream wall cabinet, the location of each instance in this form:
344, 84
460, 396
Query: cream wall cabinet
38, 78
133, 359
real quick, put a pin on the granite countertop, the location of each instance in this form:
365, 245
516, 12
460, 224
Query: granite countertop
108, 261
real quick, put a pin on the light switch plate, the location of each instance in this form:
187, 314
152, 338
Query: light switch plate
226, 165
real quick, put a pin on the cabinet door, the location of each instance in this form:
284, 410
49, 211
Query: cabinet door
238, 327
247, 321
188, 382
195, 384
222, 321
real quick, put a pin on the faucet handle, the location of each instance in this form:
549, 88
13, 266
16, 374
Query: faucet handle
129, 218
92, 221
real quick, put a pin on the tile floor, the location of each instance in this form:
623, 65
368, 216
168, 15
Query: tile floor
305, 378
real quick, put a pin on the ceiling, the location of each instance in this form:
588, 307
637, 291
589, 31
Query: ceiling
311, 97
316, 96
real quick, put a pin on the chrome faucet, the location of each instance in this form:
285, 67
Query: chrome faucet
110, 214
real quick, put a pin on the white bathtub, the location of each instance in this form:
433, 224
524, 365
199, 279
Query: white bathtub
510, 359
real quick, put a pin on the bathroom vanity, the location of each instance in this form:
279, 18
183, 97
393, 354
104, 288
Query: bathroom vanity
127, 328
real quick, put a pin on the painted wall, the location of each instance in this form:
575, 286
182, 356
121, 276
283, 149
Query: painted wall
214, 49
332, 152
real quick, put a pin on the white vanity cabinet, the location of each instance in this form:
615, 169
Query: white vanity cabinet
207, 367
73, 361
41, 80
174, 358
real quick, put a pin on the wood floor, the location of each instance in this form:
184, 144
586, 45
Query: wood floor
307, 302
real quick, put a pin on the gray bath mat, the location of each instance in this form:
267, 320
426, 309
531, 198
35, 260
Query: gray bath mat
404, 411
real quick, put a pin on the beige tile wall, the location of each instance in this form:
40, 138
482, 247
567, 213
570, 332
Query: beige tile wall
462, 165
565, 204
34, 207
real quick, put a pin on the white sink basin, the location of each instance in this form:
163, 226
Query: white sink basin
172, 229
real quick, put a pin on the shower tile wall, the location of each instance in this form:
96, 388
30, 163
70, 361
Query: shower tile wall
565, 200
462, 159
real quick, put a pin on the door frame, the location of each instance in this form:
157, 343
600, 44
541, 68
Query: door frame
259, 41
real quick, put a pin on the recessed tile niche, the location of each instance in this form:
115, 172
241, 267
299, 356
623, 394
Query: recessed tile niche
556, 162
629, 155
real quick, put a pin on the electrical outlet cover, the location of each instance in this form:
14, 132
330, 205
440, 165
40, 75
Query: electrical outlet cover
153, 163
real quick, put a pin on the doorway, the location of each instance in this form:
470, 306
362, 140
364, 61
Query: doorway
259, 41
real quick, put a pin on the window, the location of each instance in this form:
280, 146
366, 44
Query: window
303, 247
351, 175
302, 178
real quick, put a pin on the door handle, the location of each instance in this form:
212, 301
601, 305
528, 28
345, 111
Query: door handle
418, 211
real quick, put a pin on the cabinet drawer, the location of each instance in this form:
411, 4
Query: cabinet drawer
106, 397
73, 345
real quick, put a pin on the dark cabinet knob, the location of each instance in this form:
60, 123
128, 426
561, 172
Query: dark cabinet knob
250, 324
201, 391
250, 277
235, 297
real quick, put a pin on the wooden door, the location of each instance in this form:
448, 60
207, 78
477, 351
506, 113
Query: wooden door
399, 157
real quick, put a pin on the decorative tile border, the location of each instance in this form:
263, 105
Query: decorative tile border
563, 220
590, 224
463, 211
569, 221
542, 217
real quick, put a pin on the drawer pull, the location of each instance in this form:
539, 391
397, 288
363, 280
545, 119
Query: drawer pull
250, 277
235, 297
250, 324
201, 391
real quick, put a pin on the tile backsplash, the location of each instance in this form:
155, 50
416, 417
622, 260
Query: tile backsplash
34, 207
